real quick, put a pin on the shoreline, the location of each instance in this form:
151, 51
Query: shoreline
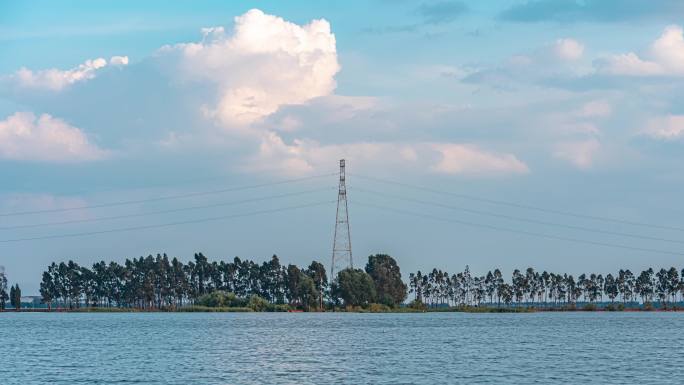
480, 310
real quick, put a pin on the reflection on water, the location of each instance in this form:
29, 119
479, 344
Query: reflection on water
262, 348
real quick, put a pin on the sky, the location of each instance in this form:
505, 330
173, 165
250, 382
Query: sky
506, 134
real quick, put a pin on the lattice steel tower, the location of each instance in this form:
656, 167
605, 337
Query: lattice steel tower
341, 254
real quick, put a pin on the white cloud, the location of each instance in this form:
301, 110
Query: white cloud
55, 79
628, 64
119, 60
467, 159
668, 50
664, 57
668, 127
266, 63
23, 136
568, 49
579, 153
307, 156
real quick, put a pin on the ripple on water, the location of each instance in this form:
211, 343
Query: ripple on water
263, 348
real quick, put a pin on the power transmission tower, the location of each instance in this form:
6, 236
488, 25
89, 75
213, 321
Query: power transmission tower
341, 254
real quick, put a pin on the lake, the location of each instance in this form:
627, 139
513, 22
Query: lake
335, 348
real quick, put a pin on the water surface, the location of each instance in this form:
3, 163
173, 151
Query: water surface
282, 348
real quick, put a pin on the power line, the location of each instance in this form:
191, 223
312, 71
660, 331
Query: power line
201, 220
98, 219
519, 219
521, 206
523, 232
167, 197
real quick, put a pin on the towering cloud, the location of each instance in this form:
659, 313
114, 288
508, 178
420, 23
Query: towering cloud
265, 63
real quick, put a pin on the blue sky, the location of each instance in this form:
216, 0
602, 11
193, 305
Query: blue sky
566, 105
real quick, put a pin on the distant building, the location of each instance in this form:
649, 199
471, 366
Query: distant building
32, 301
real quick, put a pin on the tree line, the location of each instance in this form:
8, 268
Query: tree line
533, 288
160, 282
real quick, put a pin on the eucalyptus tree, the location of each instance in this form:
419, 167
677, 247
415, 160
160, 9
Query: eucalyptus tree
457, 283
645, 285
416, 285
490, 286
316, 271
518, 285
531, 284
506, 293
630, 282
467, 283
593, 286
546, 281
610, 287
273, 278
574, 290
539, 286
626, 283
497, 282
662, 284
673, 283
292, 280
561, 289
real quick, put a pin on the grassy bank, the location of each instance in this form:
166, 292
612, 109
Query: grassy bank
371, 308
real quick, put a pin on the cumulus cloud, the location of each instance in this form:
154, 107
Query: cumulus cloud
467, 159
266, 62
568, 49
119, 60
24, 136
666, 128
580, 153
305, 156
55, 79
664, 57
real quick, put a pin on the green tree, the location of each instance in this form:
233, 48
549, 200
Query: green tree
610, 287
389, 287
662, 285
316, 271
3, 291
355, 287
294, 275
505, 292
645, 285
47, 289
307, 292
672, 283
15, 297
518, 285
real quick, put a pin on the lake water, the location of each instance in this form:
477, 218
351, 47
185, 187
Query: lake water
263, 348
